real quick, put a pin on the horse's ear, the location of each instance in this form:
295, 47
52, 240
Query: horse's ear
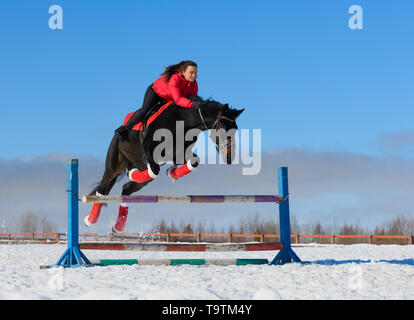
238, 112
226, 106
233, 113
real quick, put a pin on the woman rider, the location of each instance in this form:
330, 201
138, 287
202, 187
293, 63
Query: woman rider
177, 83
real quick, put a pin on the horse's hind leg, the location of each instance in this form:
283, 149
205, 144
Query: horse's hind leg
140, 171
93, 216
128, 188
105, 186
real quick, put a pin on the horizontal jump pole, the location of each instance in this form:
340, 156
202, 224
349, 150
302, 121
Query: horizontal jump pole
139, 246
176, 262
74, 257
187, 198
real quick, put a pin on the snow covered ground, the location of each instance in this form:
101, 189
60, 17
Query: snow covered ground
334, 272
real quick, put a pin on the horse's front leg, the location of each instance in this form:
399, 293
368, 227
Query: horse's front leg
191, 164
141, 176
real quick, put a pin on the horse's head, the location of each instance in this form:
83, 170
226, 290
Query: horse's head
221, 120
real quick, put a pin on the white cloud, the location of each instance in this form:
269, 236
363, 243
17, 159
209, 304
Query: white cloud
396, 140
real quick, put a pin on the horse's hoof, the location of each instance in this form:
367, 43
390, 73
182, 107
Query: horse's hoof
115, 231
168, 172
86, 221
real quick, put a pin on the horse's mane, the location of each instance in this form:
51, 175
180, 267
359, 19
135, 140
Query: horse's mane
212, 107
196, 99
209, 101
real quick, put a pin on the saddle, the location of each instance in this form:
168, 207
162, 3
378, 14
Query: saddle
144, 124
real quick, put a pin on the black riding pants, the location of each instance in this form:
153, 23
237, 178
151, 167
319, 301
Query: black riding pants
151, 100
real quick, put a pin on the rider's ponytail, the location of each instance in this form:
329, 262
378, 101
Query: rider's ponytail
174, 68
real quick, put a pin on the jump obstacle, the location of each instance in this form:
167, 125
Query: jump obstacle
74, 257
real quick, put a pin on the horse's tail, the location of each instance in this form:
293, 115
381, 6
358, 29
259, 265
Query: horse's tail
111, 165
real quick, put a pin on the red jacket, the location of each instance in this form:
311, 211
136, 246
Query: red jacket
176, 89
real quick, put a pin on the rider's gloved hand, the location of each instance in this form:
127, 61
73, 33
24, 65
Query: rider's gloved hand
197, 105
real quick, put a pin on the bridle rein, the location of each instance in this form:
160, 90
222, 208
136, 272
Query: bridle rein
216, 126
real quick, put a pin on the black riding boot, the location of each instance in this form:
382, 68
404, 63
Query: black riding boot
137, 117
151, 99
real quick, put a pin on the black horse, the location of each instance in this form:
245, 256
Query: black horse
151, 149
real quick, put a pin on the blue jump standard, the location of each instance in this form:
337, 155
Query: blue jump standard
73, 256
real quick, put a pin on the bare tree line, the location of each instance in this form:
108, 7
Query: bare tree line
256, 224
31, 222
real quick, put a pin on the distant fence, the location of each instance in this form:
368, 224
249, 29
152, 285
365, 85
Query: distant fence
36, 237
210, 237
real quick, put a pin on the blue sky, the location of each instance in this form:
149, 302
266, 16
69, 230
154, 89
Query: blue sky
304, 77
336, 105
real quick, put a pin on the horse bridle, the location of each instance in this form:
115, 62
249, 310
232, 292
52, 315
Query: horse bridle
215, 126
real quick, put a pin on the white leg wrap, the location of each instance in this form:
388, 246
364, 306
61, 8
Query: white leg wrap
190, 167
150, 173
